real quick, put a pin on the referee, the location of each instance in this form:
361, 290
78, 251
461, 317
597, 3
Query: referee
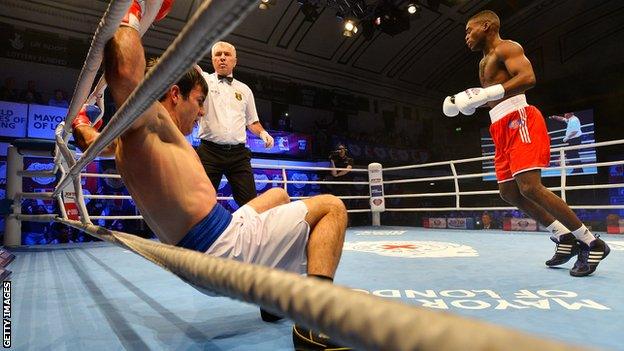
229, 109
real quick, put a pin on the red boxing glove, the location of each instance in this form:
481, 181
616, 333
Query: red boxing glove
87, 114
164, 9
138, 8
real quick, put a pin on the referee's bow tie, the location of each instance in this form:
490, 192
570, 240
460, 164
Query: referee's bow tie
227, 78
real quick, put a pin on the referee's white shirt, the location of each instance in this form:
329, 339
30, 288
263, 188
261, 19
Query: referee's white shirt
229, 109
574, 126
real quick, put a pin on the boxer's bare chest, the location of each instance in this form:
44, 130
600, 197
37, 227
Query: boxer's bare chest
490, 70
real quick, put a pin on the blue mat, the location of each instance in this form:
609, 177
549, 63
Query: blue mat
97, 296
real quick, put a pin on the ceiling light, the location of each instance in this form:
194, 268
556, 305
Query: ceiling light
413, 8
350, 28
265, 4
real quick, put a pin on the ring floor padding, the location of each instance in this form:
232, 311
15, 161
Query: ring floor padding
96, 296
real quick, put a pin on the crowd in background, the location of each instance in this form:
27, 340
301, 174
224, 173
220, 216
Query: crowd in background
327, 135
30, 94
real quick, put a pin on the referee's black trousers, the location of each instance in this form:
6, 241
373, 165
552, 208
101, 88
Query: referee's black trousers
233, 161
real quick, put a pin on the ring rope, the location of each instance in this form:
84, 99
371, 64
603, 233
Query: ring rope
105, 31
353, 318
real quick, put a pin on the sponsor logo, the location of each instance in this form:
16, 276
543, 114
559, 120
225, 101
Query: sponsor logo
516, 123
114, 183
487, 299
412, 249
376, 190
457, 223
36, 166
300, 177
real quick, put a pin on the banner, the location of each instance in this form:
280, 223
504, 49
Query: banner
42, 120
615, 225
13, 117
31, 45
363, 151
286, 143
439, 223
460, 223
519, 224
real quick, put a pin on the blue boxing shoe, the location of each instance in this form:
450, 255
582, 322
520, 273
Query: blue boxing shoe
567, 247
589, 257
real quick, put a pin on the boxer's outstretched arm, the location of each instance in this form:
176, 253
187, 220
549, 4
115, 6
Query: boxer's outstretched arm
124, 68
124, 62
519, 67
558, 118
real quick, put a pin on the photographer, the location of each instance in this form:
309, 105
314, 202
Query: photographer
339, 159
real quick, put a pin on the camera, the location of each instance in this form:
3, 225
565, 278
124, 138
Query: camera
335, 153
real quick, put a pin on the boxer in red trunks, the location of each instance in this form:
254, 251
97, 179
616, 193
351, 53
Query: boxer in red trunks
522, 143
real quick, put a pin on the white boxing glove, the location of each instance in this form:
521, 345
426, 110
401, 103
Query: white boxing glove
468, 100
449, 108
268, 139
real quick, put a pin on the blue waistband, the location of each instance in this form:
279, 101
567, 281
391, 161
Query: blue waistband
206, 232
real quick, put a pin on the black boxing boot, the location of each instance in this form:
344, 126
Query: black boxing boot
589, 257
269, 317
307, 340
567, 247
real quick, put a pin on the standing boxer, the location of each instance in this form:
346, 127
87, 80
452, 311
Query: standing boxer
521, 142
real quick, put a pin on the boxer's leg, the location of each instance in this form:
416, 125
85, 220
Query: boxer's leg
327, 217
566, 245
269, 199
592, 249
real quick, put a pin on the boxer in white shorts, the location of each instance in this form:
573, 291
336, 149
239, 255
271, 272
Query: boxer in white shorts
267, 238
276, 237
168, 183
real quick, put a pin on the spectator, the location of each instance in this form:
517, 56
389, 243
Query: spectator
59, 99
30, 95
486, 220
283, 123
8, 91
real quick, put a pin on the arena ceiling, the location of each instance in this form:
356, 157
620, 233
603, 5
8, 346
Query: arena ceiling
417, 67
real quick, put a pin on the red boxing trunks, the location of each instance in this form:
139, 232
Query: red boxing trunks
520, 138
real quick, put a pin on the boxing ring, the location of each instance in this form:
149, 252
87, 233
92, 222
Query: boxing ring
397, 288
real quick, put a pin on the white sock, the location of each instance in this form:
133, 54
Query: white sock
557, 229
583, 234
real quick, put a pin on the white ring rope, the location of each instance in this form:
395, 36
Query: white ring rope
353, 318
105, 31
458, 193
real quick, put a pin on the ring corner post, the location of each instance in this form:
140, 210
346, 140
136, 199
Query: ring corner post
377, 201
13, 226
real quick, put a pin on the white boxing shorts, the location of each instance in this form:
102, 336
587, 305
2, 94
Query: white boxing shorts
276, 238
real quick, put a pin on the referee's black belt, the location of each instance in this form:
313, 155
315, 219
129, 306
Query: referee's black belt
223, 146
